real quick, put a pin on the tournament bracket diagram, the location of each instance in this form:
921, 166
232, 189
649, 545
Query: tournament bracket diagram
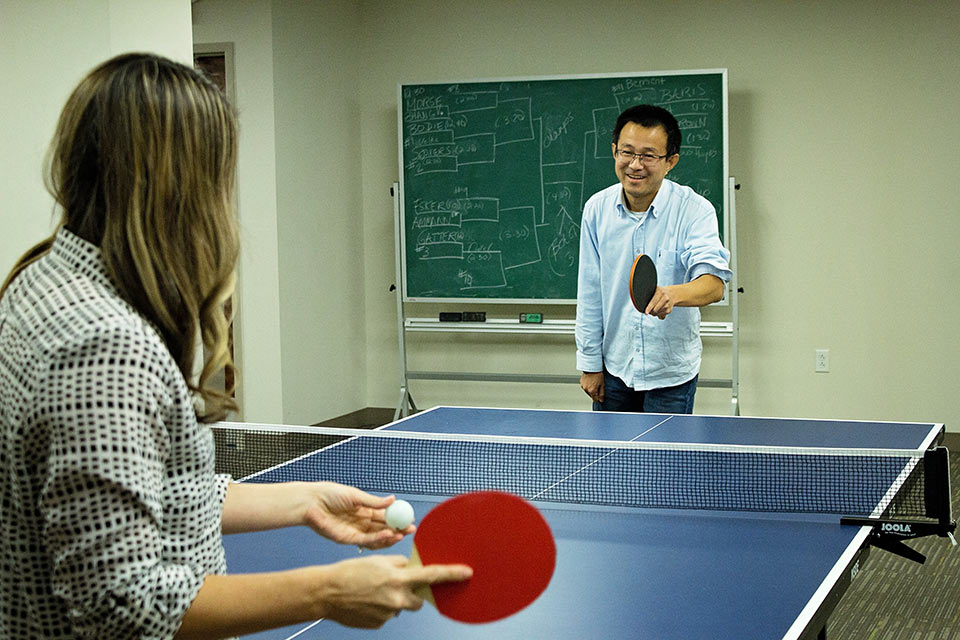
496, 175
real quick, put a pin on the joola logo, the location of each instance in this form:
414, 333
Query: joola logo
890, 527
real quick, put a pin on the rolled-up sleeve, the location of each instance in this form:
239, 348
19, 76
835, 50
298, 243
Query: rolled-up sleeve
703, 252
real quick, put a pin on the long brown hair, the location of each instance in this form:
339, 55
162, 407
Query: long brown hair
143, 164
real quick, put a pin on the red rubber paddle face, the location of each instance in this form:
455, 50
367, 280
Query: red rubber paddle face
506, 541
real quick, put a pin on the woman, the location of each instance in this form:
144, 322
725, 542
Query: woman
110, 513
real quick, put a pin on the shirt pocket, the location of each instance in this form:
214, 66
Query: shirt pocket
669, 268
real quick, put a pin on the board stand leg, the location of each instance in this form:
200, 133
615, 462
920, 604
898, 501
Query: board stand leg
405, 405
735, 291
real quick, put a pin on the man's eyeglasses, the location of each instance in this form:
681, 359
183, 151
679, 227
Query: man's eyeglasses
644, 158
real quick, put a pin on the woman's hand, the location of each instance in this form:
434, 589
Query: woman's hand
350, 516
366, 592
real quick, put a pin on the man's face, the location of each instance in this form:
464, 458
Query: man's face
642, 179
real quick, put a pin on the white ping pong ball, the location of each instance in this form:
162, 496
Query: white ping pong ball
399, 515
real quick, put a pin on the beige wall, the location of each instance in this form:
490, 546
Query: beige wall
319, 202
300, 326
46, 47
842, 135
248, 24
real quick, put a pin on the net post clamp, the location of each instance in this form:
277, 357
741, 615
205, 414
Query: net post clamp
889, 533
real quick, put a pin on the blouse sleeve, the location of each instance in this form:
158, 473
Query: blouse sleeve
103, 500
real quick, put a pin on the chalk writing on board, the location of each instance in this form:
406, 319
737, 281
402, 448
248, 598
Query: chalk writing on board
495, 175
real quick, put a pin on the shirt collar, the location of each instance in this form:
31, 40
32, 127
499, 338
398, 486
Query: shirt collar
79, 254
658, 201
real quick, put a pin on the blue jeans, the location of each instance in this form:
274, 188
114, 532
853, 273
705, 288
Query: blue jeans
617, 396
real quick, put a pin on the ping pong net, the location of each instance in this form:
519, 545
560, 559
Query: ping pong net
902, 493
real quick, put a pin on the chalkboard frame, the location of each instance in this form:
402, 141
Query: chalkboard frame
723, 213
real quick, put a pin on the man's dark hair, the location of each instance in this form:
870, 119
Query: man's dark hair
648, 115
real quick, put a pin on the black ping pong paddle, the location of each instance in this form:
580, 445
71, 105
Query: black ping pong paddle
643, 281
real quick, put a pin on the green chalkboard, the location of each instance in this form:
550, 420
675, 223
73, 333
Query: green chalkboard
494, 175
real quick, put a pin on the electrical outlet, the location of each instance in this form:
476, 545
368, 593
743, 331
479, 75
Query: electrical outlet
822, 361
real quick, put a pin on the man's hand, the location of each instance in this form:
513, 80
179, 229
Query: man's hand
592, 385
702, 291
661, 304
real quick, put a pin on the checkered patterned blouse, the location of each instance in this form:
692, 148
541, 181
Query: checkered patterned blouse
109, 507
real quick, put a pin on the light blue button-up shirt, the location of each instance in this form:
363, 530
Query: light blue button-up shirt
679, 232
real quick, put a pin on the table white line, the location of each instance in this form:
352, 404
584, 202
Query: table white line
306, 628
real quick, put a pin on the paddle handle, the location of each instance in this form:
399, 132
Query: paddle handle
423, 591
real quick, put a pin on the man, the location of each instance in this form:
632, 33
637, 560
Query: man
633, 361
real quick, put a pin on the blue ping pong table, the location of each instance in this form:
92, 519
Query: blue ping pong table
637, 573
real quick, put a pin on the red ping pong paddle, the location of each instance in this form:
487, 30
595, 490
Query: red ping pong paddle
643, 281
503, 538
